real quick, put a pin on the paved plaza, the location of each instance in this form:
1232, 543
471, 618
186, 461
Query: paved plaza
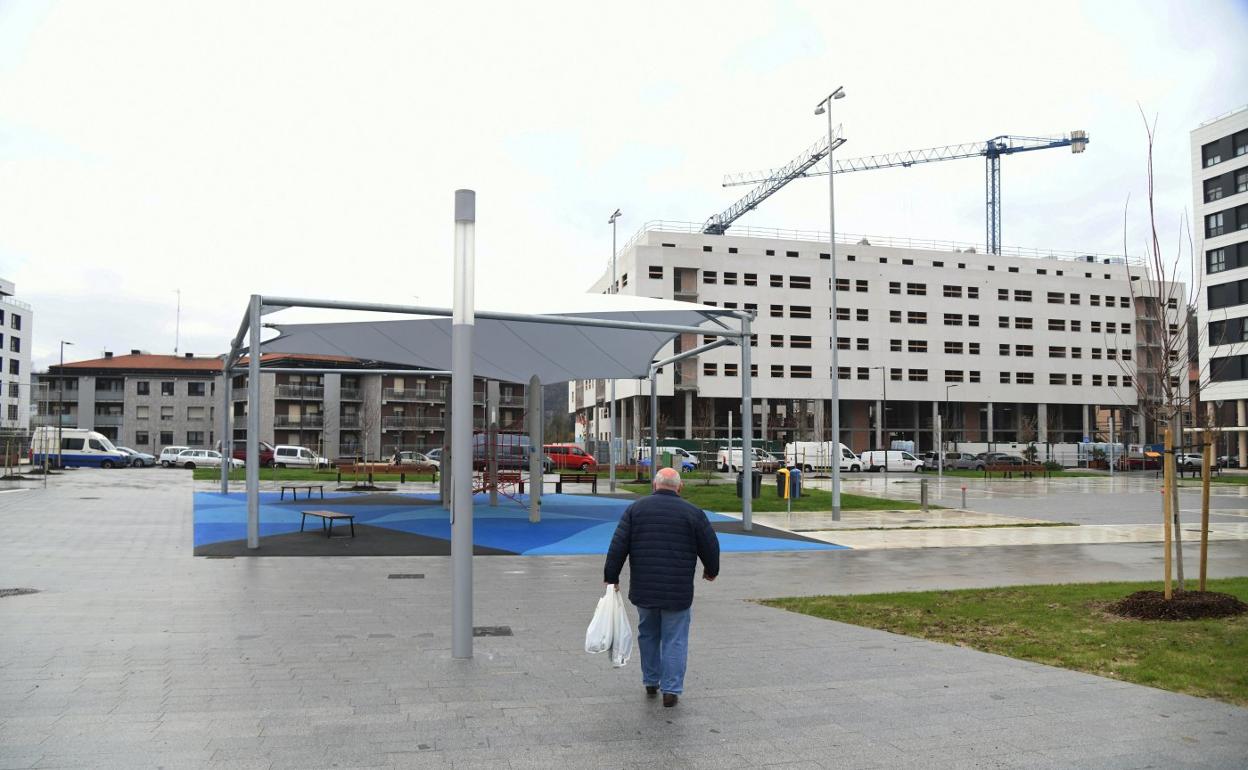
137, 654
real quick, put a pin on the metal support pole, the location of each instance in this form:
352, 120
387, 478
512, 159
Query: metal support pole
940, 453
461, 426
537, 455
491, 440
1111, 446
227, 439
253, 424
611, 433
836, 381
654, 421
444, 477
747, 436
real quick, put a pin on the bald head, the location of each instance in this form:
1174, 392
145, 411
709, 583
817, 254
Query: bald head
667, 478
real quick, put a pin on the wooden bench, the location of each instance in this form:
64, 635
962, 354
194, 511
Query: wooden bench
577, 478
1007, 471
294, 490
327, 520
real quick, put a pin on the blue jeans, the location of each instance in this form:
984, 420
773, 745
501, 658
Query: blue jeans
663, 639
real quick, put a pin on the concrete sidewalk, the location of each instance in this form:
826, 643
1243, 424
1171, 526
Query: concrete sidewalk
136, 654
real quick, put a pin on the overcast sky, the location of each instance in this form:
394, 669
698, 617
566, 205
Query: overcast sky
227, 148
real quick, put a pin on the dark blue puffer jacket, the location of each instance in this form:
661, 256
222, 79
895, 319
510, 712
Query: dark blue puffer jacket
662, 537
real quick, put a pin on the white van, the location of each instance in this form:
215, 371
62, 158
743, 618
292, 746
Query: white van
169, 455
817, 456
730, 460
894, 459
287, 456
688, 461
79, 448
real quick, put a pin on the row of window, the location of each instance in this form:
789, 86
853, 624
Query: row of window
168, 387
1225, 148
1227, 294
15, 320
1226, 184
1228, 221
142, 412
194, 438
1228, 368
898, 374
1226, 258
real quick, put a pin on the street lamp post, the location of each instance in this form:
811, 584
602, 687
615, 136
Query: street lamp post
883, 417
60, 407
940, 449
825, 107
614, 290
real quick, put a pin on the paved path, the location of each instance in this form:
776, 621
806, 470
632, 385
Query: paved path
135, 654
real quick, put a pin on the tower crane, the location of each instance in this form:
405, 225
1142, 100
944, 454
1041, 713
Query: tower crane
769, 182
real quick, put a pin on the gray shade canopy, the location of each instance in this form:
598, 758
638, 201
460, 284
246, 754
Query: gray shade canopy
511, 350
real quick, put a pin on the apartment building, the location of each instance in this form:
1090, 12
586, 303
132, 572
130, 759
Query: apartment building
149, 401
991, 343
17, 323
1220, 195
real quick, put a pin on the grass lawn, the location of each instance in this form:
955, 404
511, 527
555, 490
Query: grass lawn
303, 474
723, 498
1064, 625
1064, 474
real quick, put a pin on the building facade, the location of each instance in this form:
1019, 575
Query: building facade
148, 402
1220, 195
998, 346
17, 323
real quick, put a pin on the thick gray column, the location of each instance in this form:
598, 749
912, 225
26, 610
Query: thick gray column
636, 402
879, 424
537, 453
747, 436
1042, 423
990, 425
227, 440
461, 430
491, 440
937, 439
1083, 410
1241, 419
654, 422
444, 478
688, 411
253, 423
766, 406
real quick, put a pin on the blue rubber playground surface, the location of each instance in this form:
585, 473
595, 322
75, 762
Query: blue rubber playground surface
392, 524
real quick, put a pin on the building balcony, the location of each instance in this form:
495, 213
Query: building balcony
412, 423
512, 400
349, 422
414, 394
301, 392
110, 395
302, 422
51, 420
102, 420
349, 394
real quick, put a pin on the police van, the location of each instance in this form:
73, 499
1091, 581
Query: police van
79, 448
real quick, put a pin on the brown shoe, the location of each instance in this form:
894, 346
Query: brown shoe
651, 690
669, 699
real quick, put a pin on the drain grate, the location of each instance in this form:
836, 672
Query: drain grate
407, 576
491, 630
17, 591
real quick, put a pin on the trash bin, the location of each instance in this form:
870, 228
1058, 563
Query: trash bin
795, 482
756, 480
782, 483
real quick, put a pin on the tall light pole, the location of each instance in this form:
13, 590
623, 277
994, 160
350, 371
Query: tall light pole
614, 290
883, 417
825, 107
940, 449
60, 406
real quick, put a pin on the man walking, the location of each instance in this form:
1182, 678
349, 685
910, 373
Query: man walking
663, 537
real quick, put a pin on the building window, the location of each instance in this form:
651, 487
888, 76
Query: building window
916, 289
15, 321
195, 437
777, 311
753, 370
864, 373
1111, 327
1076, 352
799, 282
799, 341
166, 388
710, 370
1074, 298
916, 317
842, 284
1214, 224
1241, 181
1126, 380
1023, 350
1096, 354
972, 348
1126, 354
799, 372
790, 254
953, 319
894, 287
842, 343
15, 344
1003, 294
141, 412
1126, 328
777, 281
1094, 299
730, 370
1022, 323
972, 292
1076, 379
1057, 325
750, 279
860, 285
894, 316
1025, 378
894, 346
953, 375
1211, 154
1057, 379
1003, 321
917, 346
1111, 380
142, 438
799, 311
730, 279
917, 375
196, 388
863, 314
1076, 326
843, 372
709, 276
656, 271
1057, 351
894, 375
166, 414
1022, 295
777, 370
953, 291
14, 366
1003, 349
1057, 298
974, 377
777, 340
1111, 354
953, 348
1109, 300
1094, 327
864, 343
842, 314
972, 320
195, 413
1005, 378
166, 438
143, 388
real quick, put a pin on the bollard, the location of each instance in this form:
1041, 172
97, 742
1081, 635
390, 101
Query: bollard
964, 496
923, 494
339, 478
402, 477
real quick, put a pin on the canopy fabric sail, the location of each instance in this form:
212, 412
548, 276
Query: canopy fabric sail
510, 350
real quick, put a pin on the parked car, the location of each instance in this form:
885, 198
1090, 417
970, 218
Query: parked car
435, 455
1189, 461
986, 459
77, 448
290, 456
876, 460
169, 455
414, 461
730, 460
960, 461
203, 458
570, 456
240, 451
1228, 461
688, 462
137, 459
817, 456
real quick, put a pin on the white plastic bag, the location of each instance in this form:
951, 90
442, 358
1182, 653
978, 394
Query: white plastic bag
598, 636
622, 634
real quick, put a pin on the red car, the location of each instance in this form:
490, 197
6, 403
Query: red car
571, 456
240, 452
